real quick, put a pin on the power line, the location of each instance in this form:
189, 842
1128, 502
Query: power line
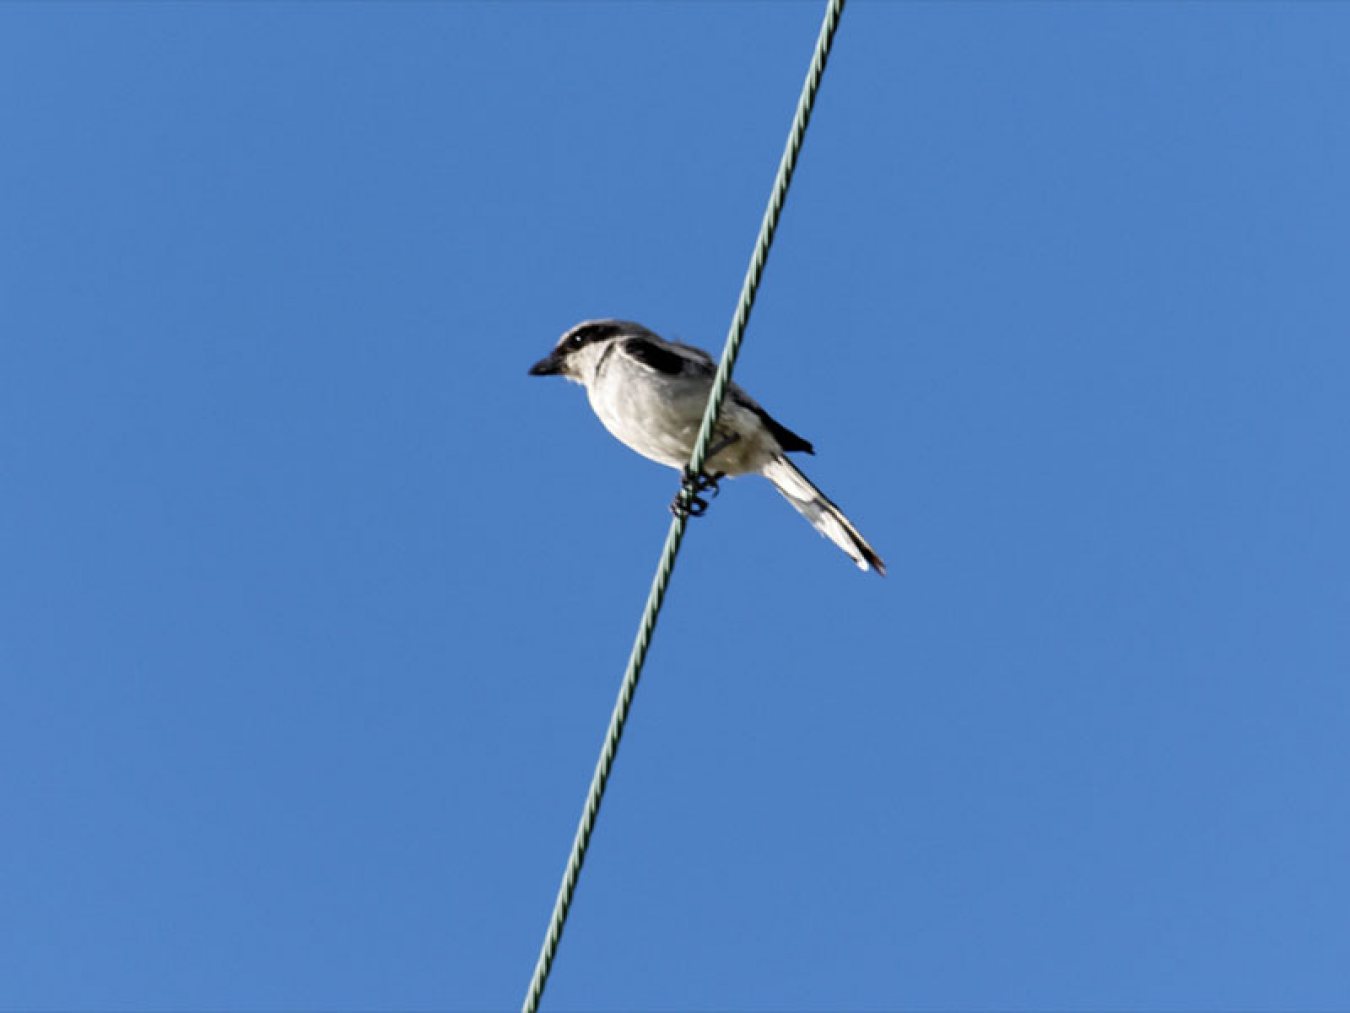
647, 626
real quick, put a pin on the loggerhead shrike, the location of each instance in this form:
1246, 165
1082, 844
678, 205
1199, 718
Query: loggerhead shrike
651, 394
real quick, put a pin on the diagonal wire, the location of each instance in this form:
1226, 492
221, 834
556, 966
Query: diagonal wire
754, 273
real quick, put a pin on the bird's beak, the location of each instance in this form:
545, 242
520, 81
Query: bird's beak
551, 365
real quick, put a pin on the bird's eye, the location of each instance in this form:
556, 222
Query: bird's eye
577, 341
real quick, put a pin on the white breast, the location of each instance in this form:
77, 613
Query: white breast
658, 416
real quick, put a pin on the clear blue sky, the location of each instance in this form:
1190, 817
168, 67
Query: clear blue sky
313, 605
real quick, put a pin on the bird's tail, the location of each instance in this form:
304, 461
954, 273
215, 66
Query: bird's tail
824, 516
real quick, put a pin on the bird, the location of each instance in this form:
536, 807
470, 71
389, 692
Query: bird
651, 394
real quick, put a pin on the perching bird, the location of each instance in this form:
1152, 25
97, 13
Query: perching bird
651, 394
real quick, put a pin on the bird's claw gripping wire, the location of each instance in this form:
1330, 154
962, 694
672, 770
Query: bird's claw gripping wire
688, 502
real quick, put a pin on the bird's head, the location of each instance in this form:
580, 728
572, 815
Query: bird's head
577, 352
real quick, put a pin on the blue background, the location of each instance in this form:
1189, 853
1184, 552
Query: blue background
313, 605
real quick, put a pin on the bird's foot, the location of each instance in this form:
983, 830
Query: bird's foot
688, 502
721, 445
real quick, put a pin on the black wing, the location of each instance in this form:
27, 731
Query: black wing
663, 358
786, 438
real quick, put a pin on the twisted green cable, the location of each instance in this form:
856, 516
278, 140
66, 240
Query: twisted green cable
666, 566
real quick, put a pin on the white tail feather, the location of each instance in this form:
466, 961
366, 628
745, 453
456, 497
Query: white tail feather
824, 516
